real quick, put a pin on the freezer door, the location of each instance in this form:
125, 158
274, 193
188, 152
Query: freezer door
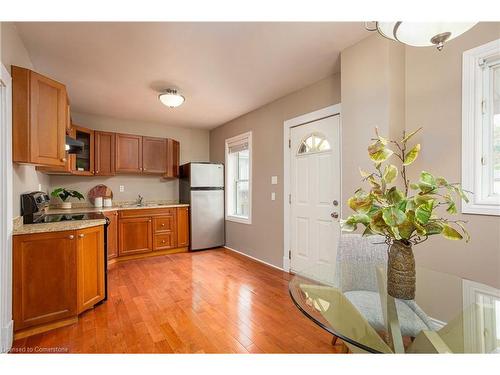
207, 175
207, 219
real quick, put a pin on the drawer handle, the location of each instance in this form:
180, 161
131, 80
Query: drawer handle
71, 236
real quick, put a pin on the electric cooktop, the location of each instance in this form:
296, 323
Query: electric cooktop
56, 218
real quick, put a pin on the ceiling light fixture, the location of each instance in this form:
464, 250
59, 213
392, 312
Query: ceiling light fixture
421, 34
171, 98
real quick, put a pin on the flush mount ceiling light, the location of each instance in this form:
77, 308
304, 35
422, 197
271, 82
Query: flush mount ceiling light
421, 34
171, 98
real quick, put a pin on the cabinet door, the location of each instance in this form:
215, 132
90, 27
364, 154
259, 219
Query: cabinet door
154, 155
112, 234
69, 162
182, 226
104, 145
44, 278
173, 156
48, 114
90, 267
128, 153
134, 236
84, 161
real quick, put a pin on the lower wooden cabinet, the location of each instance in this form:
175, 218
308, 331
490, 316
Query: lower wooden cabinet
112, 234
183, 226
90, 260
44, 278
135, 236
56, 276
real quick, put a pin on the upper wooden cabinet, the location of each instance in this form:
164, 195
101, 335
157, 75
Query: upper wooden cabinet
128, 153
154, 155
173, 156
84, 161
104, 161
39, 119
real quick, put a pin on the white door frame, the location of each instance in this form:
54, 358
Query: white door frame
287, 125
6, 226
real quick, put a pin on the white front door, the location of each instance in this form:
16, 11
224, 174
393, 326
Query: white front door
315, 196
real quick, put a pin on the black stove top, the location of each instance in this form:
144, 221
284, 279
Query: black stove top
56, 218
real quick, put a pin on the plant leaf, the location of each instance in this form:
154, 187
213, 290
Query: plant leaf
452, 207
433, 228
412, 155
407, 138
441, 181
361, 202
392, 216
450, 233
363, 173
427, 183
424, 211
390, 173
395, 196
378, 152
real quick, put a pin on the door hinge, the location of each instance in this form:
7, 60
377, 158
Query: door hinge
483, 106
289, 254
289, 143
289, 198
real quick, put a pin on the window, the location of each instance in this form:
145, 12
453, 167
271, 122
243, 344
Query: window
481, 128
239, 178
314, 143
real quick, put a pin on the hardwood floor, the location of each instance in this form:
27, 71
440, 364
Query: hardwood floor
213, 301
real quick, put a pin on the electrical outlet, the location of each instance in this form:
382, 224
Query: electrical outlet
273, 196
122, 188
274, 180
39, 187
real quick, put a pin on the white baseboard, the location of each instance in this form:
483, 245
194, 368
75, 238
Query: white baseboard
286, 264
438, 324
6, 337
256, 259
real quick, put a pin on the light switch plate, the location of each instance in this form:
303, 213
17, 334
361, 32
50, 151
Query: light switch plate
122, 188
273, 196
274, 180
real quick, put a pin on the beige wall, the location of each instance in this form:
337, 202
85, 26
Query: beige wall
194, 147
13, 52
263, 238
434, 101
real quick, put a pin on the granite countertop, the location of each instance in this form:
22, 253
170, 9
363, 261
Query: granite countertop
20, 228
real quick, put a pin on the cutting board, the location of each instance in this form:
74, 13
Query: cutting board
99, 191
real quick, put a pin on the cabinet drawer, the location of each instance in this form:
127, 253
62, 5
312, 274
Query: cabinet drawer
141, 212
164, 223
164, 241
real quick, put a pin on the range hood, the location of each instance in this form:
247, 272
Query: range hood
73, 146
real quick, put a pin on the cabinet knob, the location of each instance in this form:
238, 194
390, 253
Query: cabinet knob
149, 220
163, 241
71, 236
93, 172
163, 224
63, 160
96, 172
143, 169
81, 235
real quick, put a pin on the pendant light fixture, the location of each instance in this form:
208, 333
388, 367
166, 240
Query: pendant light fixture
421, 34
171, 98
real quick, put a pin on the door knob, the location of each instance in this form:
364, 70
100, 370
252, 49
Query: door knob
335, 215
335, 202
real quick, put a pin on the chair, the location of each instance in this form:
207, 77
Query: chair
356, 276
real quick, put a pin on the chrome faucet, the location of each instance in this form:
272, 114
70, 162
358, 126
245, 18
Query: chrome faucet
139, 200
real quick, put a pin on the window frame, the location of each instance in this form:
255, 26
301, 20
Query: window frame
473, 136
230, 191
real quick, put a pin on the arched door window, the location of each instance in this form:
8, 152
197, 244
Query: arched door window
314, 143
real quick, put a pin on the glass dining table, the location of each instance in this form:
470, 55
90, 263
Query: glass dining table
448, 315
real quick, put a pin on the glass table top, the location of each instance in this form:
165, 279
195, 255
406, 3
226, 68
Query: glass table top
449, 314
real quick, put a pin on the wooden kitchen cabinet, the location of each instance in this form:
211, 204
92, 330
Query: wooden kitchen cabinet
154, 155
44, 278
84, 161
182, 226
135, 235
128, 153
173, 157
104, 146
112, 233
69, 164
90, 271
39, 119
165, 231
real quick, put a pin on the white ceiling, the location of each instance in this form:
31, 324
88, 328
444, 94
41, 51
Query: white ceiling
223, 69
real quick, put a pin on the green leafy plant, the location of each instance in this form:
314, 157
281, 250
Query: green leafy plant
407, 213
64, 194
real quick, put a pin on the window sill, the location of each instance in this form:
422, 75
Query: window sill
239, 219
481, 209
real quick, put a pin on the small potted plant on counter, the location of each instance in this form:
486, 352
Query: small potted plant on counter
65, 194
406, 214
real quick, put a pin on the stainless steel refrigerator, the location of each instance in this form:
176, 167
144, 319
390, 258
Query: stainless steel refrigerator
201, 185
